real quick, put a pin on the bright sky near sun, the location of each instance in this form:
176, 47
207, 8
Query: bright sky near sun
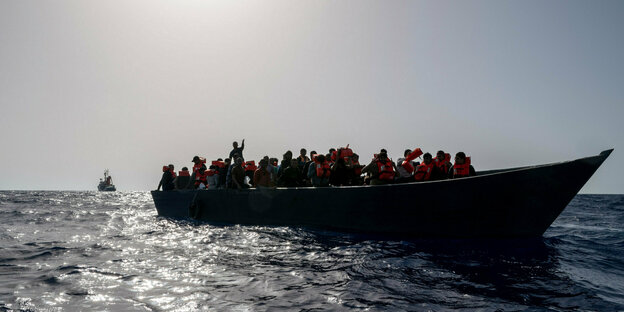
133, 85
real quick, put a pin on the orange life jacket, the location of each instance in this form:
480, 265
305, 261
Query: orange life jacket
423, 172
250, 166
443, 165
165, 168
184, 173
460, 171
386, 170
322, 169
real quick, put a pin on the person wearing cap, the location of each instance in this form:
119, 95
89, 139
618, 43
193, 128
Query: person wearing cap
237, 150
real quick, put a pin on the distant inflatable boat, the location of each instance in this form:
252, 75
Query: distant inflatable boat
509, 203
106, 185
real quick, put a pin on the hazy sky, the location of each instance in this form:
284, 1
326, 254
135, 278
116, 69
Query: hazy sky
133, 85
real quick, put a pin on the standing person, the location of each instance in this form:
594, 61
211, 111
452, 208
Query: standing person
462, 167
166, 180
262, 176
237, 150
306, 167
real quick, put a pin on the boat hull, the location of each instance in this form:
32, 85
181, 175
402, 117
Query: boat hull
506, 203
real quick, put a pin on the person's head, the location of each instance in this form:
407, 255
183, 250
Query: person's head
320, 158
460, 158
407, 152
331, 150
355, 157
303, 152
228, 161
427, 158
328, 156
264, 162
294, 163
196, 160
219, 159
288, 155
171, 167
239, 161
235, 144
440, 155
312, 153
382, 156
184, 169
383, 150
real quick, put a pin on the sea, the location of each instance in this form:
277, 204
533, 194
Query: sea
91, 251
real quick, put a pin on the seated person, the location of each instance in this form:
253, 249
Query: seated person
291, 176
381, 169
238, 175
319, 171
462, 167
262, 176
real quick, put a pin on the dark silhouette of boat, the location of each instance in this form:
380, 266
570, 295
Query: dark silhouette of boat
509, 203
106, 185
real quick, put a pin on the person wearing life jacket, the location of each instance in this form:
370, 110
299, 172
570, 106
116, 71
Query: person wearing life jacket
183, 178
212, 177
462, 167
356, 167
426, 170
319, 171
166, 180
406, 165
381, 169
443, 162
200, 178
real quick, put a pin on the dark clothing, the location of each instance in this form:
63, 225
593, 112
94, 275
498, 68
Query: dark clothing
471, 173
222, 171
239, 151
283, 165
181, 182
291, 177
166, 181
238, 175
339, 174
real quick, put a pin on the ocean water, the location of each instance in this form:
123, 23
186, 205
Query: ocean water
90, 251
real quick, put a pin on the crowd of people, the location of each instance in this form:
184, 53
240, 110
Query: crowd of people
339, 167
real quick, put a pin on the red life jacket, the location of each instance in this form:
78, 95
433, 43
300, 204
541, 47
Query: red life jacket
165, 168
386, 170
322, 169
184, 173
173, 174
210, 172
460, 171
443, 165
250, 166
200, 178
218, 163
423, 172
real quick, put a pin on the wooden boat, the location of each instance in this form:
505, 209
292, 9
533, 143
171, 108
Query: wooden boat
510, 203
